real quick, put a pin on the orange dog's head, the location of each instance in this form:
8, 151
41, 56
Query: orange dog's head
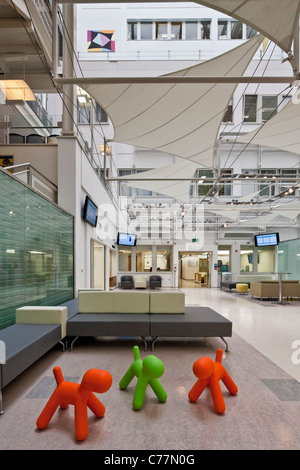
96, 380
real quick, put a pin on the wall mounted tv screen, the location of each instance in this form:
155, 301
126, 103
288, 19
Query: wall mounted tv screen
268, 239
126, 239
90, 211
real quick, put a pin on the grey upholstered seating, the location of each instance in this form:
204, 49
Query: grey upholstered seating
127, 282
155, 281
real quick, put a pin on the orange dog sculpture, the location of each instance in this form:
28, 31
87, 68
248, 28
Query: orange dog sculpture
80, 395
209, 373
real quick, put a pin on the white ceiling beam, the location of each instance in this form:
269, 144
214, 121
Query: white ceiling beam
170, 79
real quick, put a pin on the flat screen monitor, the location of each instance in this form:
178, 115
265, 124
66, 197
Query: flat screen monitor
126, 239
268, 239
90, 211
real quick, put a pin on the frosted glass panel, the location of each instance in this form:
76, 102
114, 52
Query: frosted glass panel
36, 250
289, 258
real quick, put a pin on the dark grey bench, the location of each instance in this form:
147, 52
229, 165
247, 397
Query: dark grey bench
231, 285
26, 343
196, 322
109, 324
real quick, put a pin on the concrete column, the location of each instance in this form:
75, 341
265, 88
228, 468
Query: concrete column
69, 91
69, 199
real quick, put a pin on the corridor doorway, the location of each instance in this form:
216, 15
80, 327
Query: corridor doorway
194, 269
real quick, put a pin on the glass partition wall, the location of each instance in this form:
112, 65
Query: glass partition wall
36, 254
289, 258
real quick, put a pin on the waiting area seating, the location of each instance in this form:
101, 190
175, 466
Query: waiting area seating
140, 282
242, 288
127, 282
155, 281
104, 313
271, 289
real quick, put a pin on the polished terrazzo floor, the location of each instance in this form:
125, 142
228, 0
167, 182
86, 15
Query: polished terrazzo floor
263, 415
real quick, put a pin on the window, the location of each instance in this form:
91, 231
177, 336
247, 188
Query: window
250, 32
267, 189
191, 30
125, 260
228, 116
176, 30
224, 258
124, 190
269, 107
169, 30
163, 258
246, 258
100, 114
226, 189
205, 183
146, 30
236, 30
232, 29
132, 31
259, 108
83, 113
205, 29
250, 108
222, 29
161, 31
143, 259
287, 185
265, 260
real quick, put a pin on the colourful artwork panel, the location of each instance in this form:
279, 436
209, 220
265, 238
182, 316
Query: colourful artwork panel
101, 41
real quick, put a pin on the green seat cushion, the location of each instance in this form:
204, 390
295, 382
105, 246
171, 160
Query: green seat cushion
131, 302
95, 302
167, 302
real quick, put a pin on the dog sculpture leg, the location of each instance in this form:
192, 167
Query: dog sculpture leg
95, 405
47, 413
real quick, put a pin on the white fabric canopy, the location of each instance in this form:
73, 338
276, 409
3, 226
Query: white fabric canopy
175, 189
178, 119
275, 19
280, 132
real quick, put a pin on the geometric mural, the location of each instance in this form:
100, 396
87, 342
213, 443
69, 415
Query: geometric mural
101, 41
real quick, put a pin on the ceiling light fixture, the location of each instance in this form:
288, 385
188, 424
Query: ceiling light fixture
16, 90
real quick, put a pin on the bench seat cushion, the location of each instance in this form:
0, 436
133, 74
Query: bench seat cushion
24, 345
44, 315
197, 322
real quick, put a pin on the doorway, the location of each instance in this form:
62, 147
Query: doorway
194, 269
97, 265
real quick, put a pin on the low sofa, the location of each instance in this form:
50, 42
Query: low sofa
265, 289
144, 314
290, 288
271, 289
36, 331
